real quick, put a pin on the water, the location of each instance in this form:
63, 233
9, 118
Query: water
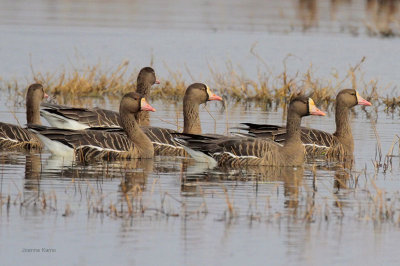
180, 212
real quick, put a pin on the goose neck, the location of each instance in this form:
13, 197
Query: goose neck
191, 117
293, 128
136, 135
343, 128
32, 111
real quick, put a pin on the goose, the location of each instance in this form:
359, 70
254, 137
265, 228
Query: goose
242, 151
81, 118
163, 138
18, 138
318, 142
86, 145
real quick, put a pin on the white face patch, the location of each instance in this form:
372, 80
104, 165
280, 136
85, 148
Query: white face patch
311, 105
357, 96
209, 91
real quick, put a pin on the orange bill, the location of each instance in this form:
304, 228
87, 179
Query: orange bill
313, 109
362, 101
212, 96
145, 106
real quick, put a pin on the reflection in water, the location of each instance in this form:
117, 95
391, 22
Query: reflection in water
342, 176
85, 180
335, 6
308, 13
195, 184
383, 17
33, 170
378, 17
136, 175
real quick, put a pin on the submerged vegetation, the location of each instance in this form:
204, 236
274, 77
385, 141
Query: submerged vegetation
267, 90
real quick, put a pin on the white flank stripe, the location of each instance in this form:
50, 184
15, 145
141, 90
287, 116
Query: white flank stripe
243, 135
165, 144
277, 143
99, 148
236, 156
8, 139
318, 146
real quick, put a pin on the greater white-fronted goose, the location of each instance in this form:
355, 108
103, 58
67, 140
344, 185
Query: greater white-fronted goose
81, 118
86, 145
164, 139
319, 142
18, 138
239, 151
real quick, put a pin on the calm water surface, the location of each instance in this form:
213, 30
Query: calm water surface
172, 210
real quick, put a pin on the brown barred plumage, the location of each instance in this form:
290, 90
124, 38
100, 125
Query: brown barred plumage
95, 117
17, 138
92, 144
163, 141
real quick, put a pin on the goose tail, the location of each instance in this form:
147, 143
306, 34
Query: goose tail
55, 147
197, 155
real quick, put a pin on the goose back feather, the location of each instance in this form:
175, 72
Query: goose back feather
17, 138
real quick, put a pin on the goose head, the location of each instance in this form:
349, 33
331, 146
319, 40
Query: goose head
304, 106
350, 98
33, 98
147, 75
200, 93
35, 94
133, 103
